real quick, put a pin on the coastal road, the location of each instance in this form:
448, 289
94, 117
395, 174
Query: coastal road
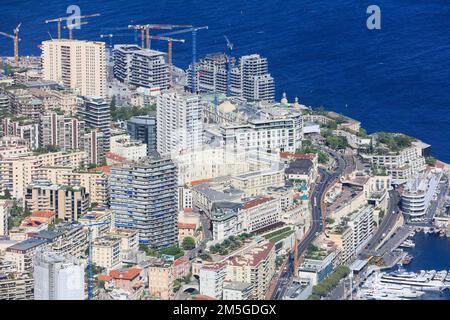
317, 225
388, 222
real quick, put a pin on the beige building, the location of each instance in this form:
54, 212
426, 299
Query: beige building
95, 182
17, 286
106, 252
129, 239
77, 64
254, 183
256, 266
19, 172
160, 280
68, 202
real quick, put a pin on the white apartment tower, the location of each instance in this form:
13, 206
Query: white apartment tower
257, 83
250, 79
58, 277
3, 218
77, 64
179, 122
141, 67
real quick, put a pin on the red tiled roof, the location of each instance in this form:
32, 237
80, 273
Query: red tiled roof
303, 156
43, 214
187, 226
115, 156
104, 277
129, 274
202, 297
180, 261
188, 210
30, 223
105, 169
256, 202
254, 257
202, 181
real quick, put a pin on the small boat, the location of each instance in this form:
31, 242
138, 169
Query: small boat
407, 259
408, 244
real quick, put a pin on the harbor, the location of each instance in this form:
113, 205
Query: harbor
423, 273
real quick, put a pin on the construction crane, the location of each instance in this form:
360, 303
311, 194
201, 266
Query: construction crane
90, 264
230, 49
111, 36
194, 51
16, 39
169, 50
145, 31
61, 19
73, 26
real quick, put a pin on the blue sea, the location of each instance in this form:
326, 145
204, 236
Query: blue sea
430, 253
393, 79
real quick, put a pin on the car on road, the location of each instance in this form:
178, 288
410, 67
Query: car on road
317, 233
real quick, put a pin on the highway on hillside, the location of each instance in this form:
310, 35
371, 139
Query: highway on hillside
326, 178
387, 223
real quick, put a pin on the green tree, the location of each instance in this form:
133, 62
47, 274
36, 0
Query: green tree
188, 243
430, 161
6, 195
336, 143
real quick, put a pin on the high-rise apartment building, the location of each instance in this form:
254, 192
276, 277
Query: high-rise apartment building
4, 105
250, 79
212, 74
144, 198
77, 64
4, 213
57, 277
143, 128
97, 115
141, 67
27, 129
68, 202
66, 133
93, 146
24, 105
257, 83
180, 124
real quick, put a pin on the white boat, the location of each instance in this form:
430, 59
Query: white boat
415, 281
408, 243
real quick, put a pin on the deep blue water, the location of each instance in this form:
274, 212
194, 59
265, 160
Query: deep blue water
393, 79
430, 253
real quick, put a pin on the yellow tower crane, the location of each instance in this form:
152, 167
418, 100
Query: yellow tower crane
16, 39
169, 50
61, 19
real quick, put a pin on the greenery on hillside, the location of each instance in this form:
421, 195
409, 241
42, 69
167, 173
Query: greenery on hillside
17, 214
430, 161
315, 252
279, 235
125, 113
336, 142
229, 245
307, 147
188, 243
46, 149
328, 284
395, 142
174, 250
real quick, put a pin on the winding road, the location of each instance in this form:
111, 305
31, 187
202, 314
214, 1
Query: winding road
317, 225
